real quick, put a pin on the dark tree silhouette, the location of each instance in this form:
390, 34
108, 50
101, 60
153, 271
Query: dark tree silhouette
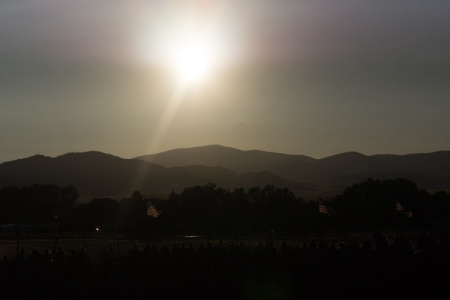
69, 196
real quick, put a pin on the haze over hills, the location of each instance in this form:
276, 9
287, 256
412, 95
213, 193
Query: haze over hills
226, 157
99, 174
429, 170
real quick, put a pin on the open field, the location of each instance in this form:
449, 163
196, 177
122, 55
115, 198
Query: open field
121, 245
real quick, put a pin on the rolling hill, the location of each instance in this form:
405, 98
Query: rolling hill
99, 174
429, 170
219, 156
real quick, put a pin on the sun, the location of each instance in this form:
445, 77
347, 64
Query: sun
193, 62
192, 57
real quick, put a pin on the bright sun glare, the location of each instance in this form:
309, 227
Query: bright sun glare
192, 44
193, 62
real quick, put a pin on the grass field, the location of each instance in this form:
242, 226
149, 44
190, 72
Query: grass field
121, 245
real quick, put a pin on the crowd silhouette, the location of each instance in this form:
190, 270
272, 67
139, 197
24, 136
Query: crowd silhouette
373, 269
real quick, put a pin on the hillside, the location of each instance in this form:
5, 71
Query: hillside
429, 170
99, 174
219, 156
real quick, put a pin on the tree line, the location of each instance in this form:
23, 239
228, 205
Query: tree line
36, 203
209, 209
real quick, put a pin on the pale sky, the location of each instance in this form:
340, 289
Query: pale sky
312, 77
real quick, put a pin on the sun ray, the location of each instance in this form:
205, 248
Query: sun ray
177, 96
162, 128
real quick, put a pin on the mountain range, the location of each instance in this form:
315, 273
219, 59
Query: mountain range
99, 174
429, 170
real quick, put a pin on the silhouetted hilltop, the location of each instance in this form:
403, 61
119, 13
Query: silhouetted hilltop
100, 174
429, 170
220, 156
92, 172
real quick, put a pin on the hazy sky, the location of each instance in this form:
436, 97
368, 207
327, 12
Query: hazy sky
312, 77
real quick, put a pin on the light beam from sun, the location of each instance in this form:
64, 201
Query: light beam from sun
161, 130
167, 117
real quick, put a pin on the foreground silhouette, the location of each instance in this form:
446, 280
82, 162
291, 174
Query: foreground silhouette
346, 270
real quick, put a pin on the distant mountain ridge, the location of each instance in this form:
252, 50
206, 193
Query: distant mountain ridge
221, 156
99, 174
429, 170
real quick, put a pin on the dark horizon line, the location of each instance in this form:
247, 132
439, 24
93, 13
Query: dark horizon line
228, 147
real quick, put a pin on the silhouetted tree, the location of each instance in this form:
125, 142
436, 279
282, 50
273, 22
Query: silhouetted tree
136, 196
69, 196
